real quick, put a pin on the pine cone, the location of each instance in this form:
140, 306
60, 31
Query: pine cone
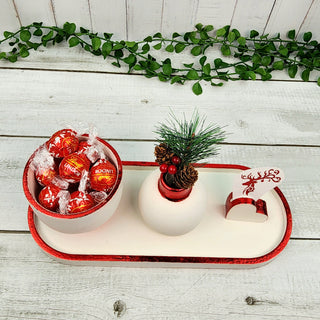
163, 154
186, 177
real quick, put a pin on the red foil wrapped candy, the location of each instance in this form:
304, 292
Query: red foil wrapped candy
63, 143
80, 201
103, 175
49, 197
72, 167
45, 175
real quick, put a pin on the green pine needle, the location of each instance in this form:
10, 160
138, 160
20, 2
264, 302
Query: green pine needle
190, 140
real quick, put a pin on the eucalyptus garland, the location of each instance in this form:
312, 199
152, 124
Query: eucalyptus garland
256, 56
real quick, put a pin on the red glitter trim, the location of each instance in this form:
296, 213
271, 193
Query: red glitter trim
170, 259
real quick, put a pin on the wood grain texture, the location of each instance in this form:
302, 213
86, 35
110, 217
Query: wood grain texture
283, 114
311, 22
8, 16
109, 16
215, 12
178, 16
72, 11
251, 14
143, 18
287, 15
300, 164
288, 288
35, 11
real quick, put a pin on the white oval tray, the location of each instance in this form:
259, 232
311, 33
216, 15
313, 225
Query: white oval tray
216, 242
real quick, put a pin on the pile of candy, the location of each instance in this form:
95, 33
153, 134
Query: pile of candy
73, 171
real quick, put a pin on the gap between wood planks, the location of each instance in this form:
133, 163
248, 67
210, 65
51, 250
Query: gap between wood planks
151, 140
126, 73
28, 232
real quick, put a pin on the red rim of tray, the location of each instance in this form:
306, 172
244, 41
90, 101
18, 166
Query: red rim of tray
43, 210
170, 259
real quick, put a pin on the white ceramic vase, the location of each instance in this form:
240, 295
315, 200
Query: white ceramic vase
168, 217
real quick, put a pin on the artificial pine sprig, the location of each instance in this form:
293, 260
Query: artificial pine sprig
190, 140
255, 56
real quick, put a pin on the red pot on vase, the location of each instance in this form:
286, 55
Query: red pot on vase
173, 194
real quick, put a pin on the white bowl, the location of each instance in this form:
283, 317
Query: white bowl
82, 221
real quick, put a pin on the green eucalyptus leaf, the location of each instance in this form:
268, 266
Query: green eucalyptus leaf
196, 50
251, 75
25, 35
208, 28
241, 41
292, 70
48, 36
261, 71
73, 42
118, 53
253, 34
117, 46
170, 48
38, 33
13, 58
96, 43
179, 47
307, 36
188, 65
116, 64
284, 51
240, 69
167, 69
221, 32
157, 35
202, 60
278, 65
318, 82
106, 49
175, 79
217, 63
231, 36
130, 59
197, 89
130, 44
24, 52
199, 26
137, 67
292, 34
206, 69
225, 50
3, 55
157, 46
305, 75
266, 77
175, 35
7, 34
153, 65
145, 48
192, 75
69, 28
266, 60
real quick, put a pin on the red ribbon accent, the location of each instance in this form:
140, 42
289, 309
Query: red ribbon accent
261, 206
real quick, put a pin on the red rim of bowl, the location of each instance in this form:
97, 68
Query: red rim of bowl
43, 210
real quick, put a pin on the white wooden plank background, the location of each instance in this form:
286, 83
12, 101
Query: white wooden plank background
36, 287
271, 123
276, 118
